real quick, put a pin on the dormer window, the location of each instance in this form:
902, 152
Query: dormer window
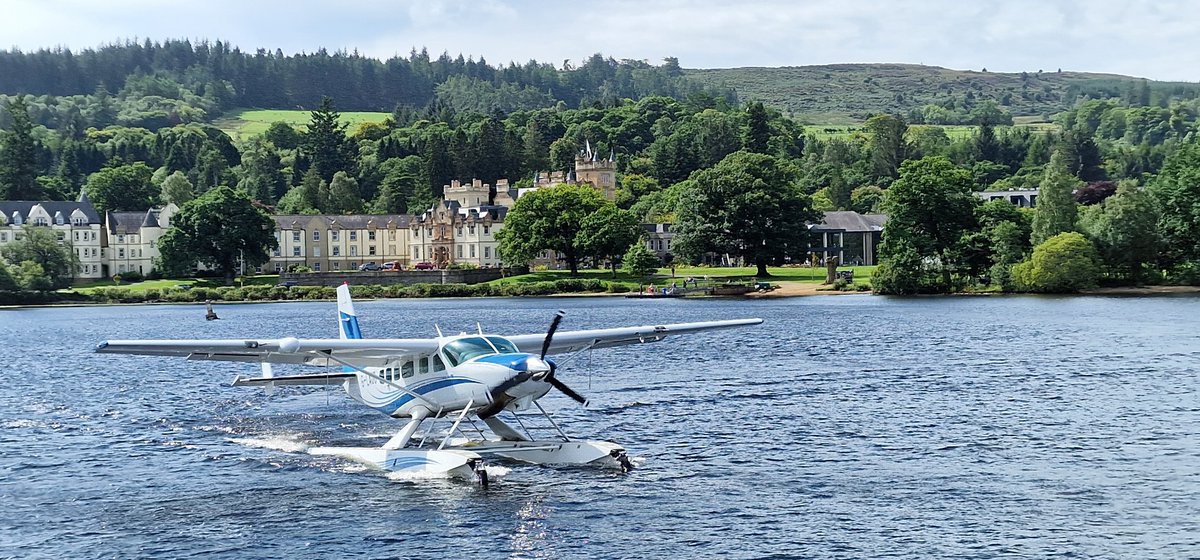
79, 221
58, 219
40, 221
17, 219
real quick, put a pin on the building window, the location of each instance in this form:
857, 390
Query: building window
40, 221
416, 252
93, 236
120, 239
62, 236
276, 251
487, 230
371, 250
121, 254
333, 234
296, 251
3, 237
471, 230
354, 236
472, 251
316, 235
354, 250
295, 236
154, 244
337, 250
317, 267
278, 268
79, 221
459, 232
487, 252
460, 251
370, 236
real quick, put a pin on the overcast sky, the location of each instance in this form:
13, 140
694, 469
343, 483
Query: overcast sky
1158, 39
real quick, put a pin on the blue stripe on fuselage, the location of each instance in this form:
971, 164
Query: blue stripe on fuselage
421, 390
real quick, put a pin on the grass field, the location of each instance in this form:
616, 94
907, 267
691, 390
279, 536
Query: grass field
267, 279
241, 125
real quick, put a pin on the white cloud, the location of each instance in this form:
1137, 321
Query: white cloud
1153, 38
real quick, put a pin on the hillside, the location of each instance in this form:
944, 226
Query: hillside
847, 93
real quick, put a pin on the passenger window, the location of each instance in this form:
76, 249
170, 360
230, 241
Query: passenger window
438, 365
406, 370
423, 365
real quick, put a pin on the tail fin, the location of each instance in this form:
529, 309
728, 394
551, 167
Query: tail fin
347, 319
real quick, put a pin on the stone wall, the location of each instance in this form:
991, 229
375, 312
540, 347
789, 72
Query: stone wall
363, 278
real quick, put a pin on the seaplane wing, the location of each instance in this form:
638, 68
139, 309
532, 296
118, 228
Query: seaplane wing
570, 341
322, 352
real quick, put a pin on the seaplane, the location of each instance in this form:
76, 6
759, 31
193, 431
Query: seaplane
466, 380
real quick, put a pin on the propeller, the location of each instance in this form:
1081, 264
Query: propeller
500, 398
550, 378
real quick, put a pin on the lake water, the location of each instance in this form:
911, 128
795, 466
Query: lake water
843, 427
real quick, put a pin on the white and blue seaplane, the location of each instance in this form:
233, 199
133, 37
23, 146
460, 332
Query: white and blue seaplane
461, 379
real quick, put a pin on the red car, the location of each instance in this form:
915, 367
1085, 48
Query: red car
424, 266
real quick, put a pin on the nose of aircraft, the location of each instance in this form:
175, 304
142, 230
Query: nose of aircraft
538, 367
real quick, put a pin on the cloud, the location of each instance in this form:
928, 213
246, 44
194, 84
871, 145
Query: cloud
1155, 38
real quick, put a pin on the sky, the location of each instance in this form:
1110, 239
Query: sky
1156, 39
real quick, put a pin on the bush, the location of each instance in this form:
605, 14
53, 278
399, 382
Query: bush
1065, 263
1186, 274
131, 276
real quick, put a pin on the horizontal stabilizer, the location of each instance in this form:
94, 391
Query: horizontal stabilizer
333, 378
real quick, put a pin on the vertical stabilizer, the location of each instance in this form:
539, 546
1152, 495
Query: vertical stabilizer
347, 319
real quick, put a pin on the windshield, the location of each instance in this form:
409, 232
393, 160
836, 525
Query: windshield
503, 345
465, 349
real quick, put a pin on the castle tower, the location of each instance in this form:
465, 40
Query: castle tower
597, 171
471, 195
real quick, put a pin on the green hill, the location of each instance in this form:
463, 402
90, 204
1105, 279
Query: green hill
848, 93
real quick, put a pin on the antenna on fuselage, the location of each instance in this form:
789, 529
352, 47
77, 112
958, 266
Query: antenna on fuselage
438, 329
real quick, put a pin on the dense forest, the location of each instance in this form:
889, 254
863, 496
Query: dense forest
153, 84
667, 148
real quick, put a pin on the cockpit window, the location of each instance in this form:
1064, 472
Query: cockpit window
503, 345
464, 349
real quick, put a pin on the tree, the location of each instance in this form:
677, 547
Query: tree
608, 232
888, 148
177, 189
326, 143
40, 245
1056, 210
18, 155
1177, 191
218, 229
262, 172
758, 130
343, 195
1064, 263
122, 187
865, 200
402, 178
1124, 230
7, 282
929, 207
31, 276
639, 260
748, 204
548, 219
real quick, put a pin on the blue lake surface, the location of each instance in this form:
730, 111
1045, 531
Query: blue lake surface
843, 427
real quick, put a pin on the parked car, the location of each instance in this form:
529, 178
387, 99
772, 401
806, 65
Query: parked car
368, 266
424, 266
392, 265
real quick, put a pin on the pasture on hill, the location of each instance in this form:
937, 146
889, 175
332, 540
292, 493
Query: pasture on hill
243, 124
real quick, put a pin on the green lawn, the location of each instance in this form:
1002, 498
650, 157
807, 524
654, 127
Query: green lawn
244, 124
954, 131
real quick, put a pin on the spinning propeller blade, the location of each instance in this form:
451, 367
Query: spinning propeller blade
550, 378
558, 317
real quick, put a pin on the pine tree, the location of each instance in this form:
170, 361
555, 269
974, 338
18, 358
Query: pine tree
1056, 210
177, 189
18, 156
325, 142
758, 132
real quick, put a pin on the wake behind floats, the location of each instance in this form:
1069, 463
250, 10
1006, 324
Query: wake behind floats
463, 379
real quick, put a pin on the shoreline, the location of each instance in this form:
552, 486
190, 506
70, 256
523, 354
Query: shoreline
785, 290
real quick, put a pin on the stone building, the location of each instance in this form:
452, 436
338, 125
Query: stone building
328, 242
461, 228
590, 169
131, 239
76, 224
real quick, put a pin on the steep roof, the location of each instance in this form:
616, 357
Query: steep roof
850, 221
132, 222
51, 206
